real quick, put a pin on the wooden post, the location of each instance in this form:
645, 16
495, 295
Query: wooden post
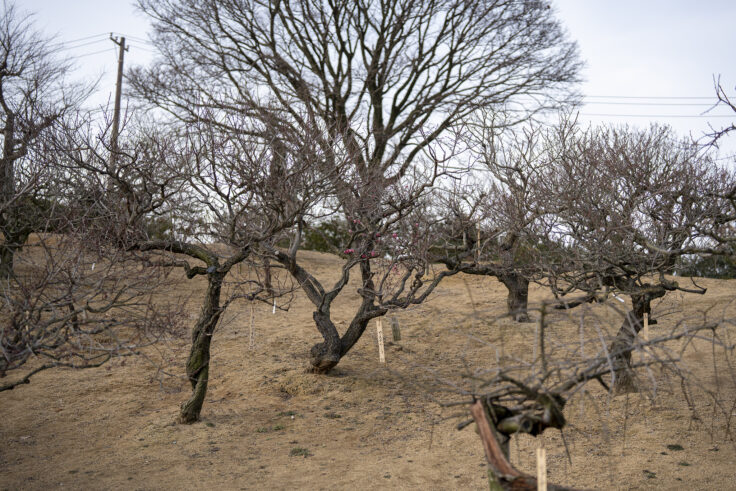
379, 335
684, 339
646, 328
395, 329
477, 244
252, 336
541, 468
118, 93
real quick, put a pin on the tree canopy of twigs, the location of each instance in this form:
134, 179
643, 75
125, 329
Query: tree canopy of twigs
35, 95
378, 87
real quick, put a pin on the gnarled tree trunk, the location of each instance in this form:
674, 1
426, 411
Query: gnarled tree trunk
518, 296
622, 346
198, 364
502, 475
327, 354
8, 249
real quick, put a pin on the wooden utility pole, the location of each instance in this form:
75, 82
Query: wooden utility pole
118, 94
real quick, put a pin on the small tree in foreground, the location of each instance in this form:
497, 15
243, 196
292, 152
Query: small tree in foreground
530, 397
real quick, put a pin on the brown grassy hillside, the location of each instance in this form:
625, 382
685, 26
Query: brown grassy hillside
268, 425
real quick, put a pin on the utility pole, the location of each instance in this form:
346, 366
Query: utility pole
118, 93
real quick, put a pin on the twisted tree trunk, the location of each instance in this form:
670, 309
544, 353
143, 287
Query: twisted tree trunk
327, 354
623, 343
198, 363
8, 249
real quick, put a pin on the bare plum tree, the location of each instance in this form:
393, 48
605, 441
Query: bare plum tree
376, 84
34, 96
499, 214
222, 192
624, 204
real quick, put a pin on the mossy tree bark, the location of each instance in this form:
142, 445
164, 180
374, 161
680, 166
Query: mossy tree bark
198, 364
623, 343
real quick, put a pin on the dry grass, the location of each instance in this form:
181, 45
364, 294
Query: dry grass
266, 424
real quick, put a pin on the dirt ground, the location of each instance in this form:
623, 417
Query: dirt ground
268, 425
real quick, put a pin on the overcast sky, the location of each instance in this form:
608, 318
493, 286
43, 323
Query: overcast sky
646, 60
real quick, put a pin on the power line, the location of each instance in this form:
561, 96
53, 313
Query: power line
732, 116
72, 41
67, 48
137, 46
654, 103
134, 38
647, 97
107, 50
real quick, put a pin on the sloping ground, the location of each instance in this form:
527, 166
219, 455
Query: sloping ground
268, 425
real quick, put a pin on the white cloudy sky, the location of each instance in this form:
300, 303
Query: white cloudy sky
646, 60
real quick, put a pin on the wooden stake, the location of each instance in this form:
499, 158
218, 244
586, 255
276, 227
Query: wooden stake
379, 333
274, 306
646, 328
395, 329
541, 469
477, 244
684, 339
252, 337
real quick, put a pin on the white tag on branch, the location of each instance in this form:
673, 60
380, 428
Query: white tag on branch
379, 335
619, 299
274, 307
93, 266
